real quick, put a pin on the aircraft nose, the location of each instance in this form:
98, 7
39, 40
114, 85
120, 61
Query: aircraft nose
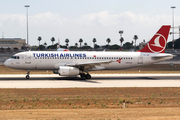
6, 63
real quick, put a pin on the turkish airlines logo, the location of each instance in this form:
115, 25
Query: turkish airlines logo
157, 44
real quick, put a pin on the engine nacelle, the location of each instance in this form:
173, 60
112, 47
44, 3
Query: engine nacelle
68, 71
55, 71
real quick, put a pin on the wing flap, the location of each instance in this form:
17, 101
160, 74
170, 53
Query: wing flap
89, 65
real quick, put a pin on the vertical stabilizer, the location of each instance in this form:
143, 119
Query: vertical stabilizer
158, 42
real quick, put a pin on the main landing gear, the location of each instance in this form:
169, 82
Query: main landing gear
27, 76
85, 76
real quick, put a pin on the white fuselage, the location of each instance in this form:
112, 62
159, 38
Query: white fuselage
51, 60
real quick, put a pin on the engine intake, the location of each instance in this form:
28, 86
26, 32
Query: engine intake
68, 71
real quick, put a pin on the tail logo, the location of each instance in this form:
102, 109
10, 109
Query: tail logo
158, 44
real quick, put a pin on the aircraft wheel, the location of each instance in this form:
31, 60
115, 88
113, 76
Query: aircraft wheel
88, 76
83, 75
27, 77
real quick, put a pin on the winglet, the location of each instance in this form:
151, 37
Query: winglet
158, 42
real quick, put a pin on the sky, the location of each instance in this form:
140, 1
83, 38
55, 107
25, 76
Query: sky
86, 19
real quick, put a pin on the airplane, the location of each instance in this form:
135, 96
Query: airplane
73, 63
59, 47
62, 49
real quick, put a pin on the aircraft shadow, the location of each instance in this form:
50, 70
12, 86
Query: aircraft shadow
124, 78
75, 78
46, 79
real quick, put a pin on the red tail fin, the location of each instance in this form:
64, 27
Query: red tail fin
158, 43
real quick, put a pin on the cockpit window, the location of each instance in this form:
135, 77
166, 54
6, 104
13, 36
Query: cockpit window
15, 57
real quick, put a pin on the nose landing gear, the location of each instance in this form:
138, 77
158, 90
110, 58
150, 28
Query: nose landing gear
27, 76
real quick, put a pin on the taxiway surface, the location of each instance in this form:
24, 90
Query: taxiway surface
98, 80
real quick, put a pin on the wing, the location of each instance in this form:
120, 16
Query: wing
89, 65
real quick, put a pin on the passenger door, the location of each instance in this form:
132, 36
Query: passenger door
28, 58
140, 59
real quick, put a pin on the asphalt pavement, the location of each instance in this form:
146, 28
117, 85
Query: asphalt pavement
98, 80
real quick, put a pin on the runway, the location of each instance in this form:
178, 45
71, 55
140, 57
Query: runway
98, 80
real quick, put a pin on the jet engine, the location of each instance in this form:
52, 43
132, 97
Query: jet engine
68, 71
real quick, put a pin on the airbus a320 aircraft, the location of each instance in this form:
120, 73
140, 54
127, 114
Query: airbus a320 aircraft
59, 47
70, 63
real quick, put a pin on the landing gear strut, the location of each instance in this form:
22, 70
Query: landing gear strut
27, 76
